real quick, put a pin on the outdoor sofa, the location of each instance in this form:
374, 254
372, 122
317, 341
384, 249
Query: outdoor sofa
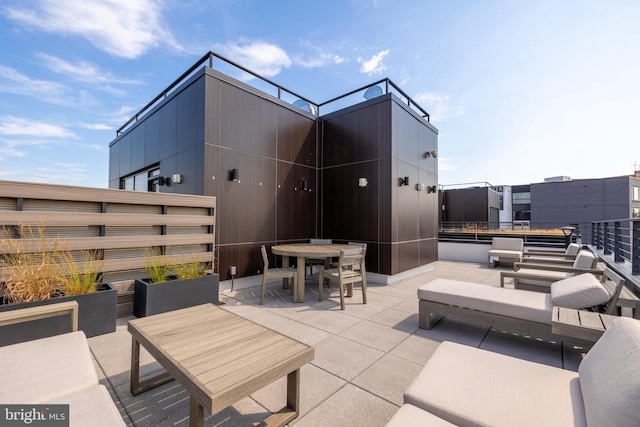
55, 370
515, 309
467, 386
505, 249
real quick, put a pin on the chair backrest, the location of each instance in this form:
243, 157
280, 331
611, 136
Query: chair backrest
585, 259
265, 258
351, 257
507, 243
613, 283
362, 245
320, 241
572, 249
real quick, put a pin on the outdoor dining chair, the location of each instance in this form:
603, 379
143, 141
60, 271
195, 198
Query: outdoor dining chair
317, 261
275, 273
346, 274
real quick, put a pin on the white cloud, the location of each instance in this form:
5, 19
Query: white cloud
261, 57
317, 57
16, 126
97, 126
123, 28
374, 65
440, 107
82, 71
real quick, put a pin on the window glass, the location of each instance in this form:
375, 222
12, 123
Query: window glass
636, 193
147, 180
521, 198
635, 213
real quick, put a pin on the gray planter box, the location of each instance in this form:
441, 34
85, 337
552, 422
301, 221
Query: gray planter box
155, 298
96, 316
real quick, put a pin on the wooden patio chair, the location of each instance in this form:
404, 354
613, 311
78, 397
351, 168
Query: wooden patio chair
324, 262
275, 273
346, 274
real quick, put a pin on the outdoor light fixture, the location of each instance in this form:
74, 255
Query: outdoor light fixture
420, 186
362, 182
432, 189
432, 153
176, 178
404, 181
304, 185
233, 175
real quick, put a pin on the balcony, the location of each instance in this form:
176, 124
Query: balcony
365, 356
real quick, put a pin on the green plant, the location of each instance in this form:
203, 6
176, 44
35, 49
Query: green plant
188, 270
80, 277
156, 265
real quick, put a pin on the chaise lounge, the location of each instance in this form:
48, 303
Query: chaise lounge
539, 277
505, 249
56, 370
515, 309
467, 386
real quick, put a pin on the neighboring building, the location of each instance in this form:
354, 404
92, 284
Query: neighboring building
555, 203
281, 173
470, 205
579, 202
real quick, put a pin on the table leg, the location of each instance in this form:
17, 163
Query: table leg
285, 264
299, 294
138, 386
293, 391
196, 413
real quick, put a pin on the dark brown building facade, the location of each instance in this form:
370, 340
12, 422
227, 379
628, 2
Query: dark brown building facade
297, 175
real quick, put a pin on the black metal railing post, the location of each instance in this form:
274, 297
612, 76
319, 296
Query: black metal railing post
617, 246
598, 241
593, 233
605, 239
635, 247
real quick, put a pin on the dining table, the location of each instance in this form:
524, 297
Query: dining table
307, 250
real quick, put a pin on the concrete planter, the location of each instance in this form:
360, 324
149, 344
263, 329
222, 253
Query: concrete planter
96, 316
155, 298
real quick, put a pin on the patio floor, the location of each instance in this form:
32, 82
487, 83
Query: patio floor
365, 356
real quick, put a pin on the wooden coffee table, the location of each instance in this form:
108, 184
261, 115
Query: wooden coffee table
218, 357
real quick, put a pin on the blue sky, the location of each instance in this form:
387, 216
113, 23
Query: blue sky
519, 90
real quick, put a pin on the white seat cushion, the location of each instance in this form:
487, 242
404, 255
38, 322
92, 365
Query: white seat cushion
610, 376
91, 407
581, 291
471, 387
534, 306
43, 369
411, 416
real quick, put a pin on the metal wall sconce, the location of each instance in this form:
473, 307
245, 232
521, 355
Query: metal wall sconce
432, 189
420, 186
233, 175
362, 182
304, 185
176, 178
404, 181
432, 153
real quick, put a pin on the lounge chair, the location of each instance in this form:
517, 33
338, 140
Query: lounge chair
539, 277
515, 309
467, 386
55, 370
566, 257
505, 249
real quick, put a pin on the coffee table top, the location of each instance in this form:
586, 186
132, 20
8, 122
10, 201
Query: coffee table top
218, 356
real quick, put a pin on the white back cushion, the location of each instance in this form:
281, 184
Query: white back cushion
573, 249
584, 259
609, 376
581, 291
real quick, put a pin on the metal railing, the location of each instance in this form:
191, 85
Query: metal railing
619, 239
279, 91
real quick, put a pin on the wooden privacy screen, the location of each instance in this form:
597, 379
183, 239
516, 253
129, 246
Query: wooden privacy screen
120, 227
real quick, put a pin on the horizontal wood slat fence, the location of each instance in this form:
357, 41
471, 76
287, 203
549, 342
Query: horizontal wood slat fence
121, 228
